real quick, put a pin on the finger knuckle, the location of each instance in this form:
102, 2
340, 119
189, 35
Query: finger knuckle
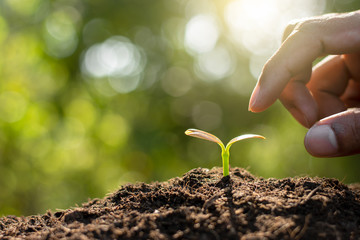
288, 30
309, 26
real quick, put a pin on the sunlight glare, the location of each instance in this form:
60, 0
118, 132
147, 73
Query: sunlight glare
258, 25
251, 21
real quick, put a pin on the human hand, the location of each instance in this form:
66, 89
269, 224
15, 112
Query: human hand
325, 92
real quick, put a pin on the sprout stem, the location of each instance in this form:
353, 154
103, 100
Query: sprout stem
225, 160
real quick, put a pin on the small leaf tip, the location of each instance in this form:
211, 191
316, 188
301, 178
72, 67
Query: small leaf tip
189, 131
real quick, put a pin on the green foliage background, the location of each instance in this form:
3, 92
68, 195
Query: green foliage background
67, 135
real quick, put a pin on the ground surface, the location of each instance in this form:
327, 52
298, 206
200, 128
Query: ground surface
204, 205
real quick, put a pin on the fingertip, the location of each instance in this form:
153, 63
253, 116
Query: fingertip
260, 100
320, 141
336, 135
253, 99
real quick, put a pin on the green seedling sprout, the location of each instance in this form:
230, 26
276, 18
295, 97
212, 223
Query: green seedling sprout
225, 153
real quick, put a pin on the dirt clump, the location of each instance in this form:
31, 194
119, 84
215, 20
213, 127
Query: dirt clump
202, 204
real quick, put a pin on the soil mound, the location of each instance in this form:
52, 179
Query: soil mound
204, 205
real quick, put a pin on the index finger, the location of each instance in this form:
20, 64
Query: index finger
314, 37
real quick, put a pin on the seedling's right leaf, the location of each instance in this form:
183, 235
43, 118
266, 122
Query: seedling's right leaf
242, 137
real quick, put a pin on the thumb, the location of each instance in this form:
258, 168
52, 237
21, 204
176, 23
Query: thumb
336, 135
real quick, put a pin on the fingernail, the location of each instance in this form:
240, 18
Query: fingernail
253, 98
320, 141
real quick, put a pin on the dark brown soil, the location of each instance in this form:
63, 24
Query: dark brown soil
204, 205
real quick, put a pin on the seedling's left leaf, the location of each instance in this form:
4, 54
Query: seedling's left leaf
203, 135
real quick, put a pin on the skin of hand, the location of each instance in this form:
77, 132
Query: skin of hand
324, 98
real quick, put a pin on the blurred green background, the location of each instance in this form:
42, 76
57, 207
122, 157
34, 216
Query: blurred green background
95, 94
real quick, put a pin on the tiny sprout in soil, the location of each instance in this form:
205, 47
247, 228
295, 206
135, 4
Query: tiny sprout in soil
225, 153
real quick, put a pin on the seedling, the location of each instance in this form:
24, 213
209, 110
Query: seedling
225, 154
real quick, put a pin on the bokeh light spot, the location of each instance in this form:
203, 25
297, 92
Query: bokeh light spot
215, 65
201, 34
60, 32
125, 84
117, 59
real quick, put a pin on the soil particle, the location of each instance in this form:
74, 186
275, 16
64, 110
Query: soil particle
204, 205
